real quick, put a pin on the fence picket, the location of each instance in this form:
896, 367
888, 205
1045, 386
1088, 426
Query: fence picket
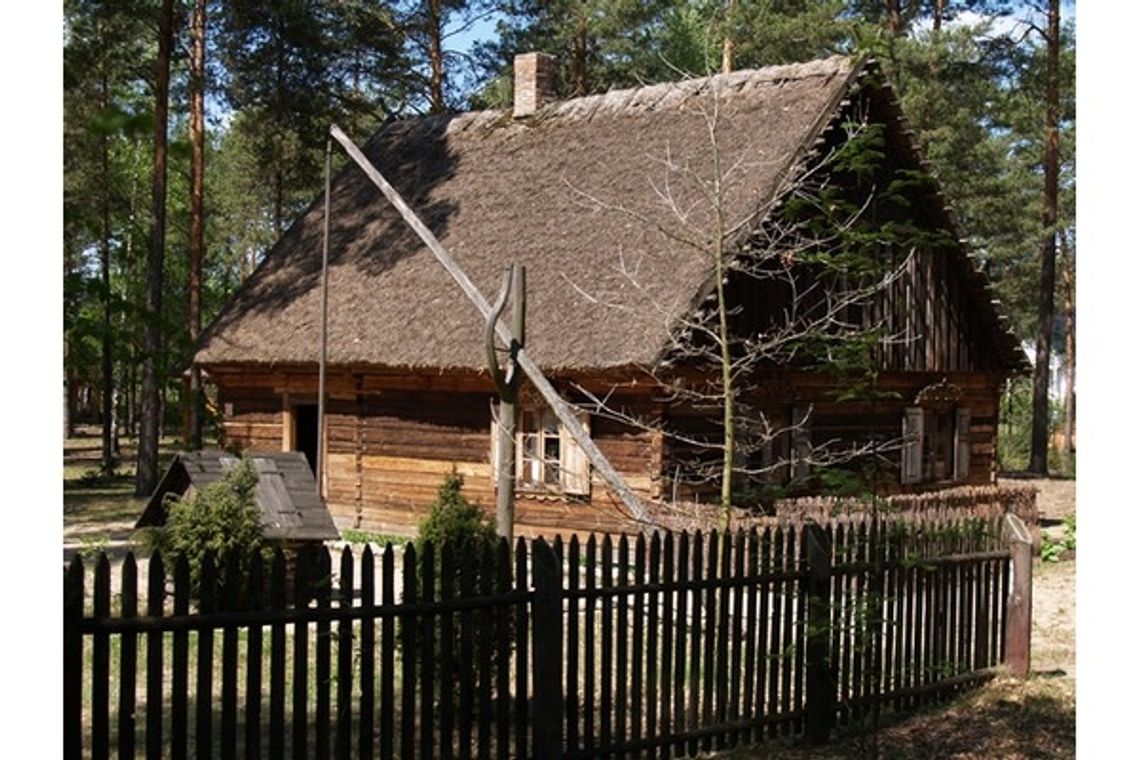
304, 574
523, 663
367, 654
503, 653
712, 633
231, 600
738, 577
204, 683
573, 575
427, 654
407, 650
466, 655
669, 624
387, 655
485, 634
321, 585
253, 728
276, 661
652, 633
636, 684
155, 604
776, 645
128, 659
100, 664
682, 626
622, 635
447, 573
343, 745
589, 643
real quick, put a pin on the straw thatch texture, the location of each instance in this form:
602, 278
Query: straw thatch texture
603, 288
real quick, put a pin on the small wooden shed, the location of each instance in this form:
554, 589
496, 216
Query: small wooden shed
291, 510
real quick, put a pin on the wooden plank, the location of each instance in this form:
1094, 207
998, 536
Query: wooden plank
387, 655
652, 633
344, 665
590, 644
128, 658
277, 660
621, 674
253, 695
712, 645
303, 574
574, 557
368, 656
679, 715
692, 716
523, 663
503, 652
485, 638
739, 582
788, 655
322, 590
408, 647
73, 660
466, 654
427, 654
155, 607
100, 663
749, 709
777, 644
763, 708
204, 683
607, 642
447, 576
669, 624
547, 638
231, 598
636, 680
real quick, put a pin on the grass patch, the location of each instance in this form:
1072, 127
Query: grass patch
353, 536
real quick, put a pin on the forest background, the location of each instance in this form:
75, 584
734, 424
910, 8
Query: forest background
972, 76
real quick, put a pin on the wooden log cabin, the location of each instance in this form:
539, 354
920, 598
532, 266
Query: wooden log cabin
581, 192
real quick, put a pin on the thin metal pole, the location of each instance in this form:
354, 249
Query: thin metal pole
324, 327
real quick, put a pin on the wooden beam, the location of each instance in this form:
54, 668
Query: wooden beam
557, 404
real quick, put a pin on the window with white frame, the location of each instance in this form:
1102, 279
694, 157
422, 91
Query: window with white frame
547, 458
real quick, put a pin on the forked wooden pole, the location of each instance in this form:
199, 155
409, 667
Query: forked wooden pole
558, 405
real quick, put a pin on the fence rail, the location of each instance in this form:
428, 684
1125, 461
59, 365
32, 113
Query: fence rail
661, 646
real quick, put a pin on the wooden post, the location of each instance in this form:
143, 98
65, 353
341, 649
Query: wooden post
73, 660
1019, 605
547, 640
820, 679
507, 383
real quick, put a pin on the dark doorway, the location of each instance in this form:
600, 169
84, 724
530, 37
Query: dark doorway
305, 432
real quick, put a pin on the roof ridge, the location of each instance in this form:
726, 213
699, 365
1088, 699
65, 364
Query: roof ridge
642, 98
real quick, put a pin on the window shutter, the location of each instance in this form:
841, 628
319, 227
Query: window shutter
801, 441
911, 471
574, 467
962, 444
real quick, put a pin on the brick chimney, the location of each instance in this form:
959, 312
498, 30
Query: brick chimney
535, 75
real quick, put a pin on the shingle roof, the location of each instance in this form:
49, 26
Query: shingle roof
286, 492
543, 192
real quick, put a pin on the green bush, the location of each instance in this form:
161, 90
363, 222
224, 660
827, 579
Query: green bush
220, 519
456, 522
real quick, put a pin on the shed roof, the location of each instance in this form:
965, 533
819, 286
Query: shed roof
570, 192
286, 492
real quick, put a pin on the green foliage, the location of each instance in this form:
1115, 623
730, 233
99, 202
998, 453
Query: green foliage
1053, 549
456, 522
1016, 427
220, 519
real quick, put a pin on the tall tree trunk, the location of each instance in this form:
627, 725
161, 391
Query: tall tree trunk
1068, 270
197, 241
580, 54
1039, 452
68, 370
146, 477
435, 55
728, 51
107, 460
939, 12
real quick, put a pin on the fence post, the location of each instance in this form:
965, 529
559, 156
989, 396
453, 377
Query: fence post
547, 646
73, 660
1019, 606
820, 678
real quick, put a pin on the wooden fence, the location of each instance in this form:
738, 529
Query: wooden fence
661, 646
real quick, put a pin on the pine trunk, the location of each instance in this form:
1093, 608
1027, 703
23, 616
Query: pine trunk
435, 55
107, 459
581, 40
1039, 452
1067, 286
146, 477
193, 434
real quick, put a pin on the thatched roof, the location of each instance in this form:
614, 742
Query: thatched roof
574, 192
286, 492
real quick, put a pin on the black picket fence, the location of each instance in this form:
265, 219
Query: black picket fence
662, 646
